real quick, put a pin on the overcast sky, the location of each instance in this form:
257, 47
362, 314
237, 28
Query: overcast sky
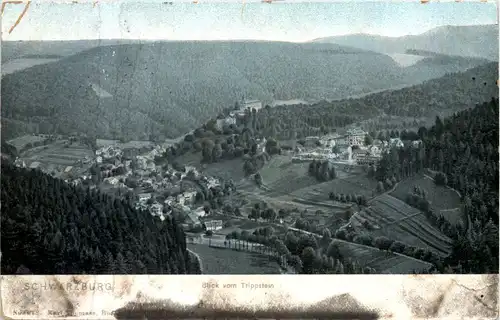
133, 19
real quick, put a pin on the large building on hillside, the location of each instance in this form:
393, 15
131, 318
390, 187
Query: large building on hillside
252, 104
355, 137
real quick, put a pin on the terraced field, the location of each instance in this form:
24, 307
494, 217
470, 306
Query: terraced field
444, 200
57, 154
382, 261
396, 220
226, 261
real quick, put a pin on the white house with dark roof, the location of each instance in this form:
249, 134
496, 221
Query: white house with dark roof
417, 143
144, 197
111, 180
396, 142
169, 201
156, 209
190, 196
374, 150
20, 163
213, 225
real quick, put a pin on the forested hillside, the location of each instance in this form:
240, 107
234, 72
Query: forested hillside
452, 92
463, 149
164, 89
50, 227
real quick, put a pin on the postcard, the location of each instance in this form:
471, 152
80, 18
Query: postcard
249, 159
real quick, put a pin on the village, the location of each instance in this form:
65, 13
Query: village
138, 172
135, 171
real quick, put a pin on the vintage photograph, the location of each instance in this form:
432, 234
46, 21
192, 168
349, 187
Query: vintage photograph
254, 137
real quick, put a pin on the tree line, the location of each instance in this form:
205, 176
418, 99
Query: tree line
322, 170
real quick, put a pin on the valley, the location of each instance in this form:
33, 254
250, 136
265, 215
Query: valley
330, 156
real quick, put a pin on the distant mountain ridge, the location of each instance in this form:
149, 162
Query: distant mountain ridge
164, 89
469, 41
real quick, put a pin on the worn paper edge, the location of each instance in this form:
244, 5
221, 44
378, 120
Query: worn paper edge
382, 296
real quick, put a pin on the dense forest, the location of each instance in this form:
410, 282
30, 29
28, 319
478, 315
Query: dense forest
463, 149
50, 227
151, 91
454, 91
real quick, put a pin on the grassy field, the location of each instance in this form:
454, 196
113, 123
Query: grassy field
287, 185
382, 261
396, 220
280, 176
443, 200
21, 142
227, 169
354, 184
57, 154
225, 261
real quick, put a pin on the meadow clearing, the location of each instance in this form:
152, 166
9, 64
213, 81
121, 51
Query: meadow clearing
57, 154
21, 142
281, 177
227, 169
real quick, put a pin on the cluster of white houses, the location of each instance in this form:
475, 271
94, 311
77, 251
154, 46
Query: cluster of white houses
349, 147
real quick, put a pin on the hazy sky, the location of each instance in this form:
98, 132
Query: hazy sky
135, 19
